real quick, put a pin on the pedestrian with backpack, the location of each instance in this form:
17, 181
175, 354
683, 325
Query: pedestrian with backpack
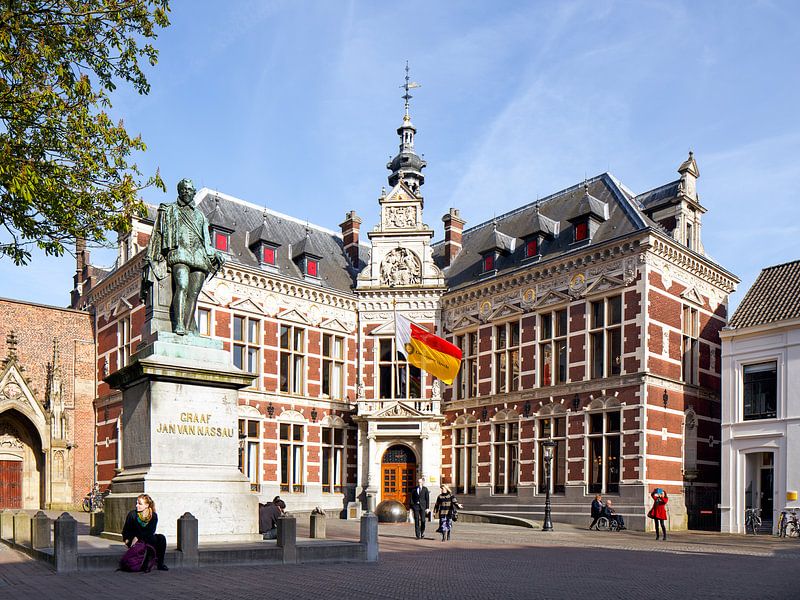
139, 533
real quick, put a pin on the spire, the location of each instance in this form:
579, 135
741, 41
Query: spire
407, 165
689, 174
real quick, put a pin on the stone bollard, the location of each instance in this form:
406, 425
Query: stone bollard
40, 531
369, 536
188, 537
97, 522
317, 527
7, 525
287, 538
22, 529
65, 544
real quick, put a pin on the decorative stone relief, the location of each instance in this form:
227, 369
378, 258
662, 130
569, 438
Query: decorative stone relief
436, 391
529, 297
12, 391
629, 270
485, 310
665, 342
400, 267
577, 284
9, 436
400, 217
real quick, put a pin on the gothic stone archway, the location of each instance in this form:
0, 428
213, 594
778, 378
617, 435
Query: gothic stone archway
21, 463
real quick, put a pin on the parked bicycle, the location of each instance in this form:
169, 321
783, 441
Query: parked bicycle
752, 520
93, 501
788, 524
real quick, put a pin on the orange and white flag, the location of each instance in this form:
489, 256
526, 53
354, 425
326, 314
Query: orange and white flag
426, 351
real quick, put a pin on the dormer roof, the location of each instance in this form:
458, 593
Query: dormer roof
589, 206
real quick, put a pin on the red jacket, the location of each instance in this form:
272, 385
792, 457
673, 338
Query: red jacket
658, 511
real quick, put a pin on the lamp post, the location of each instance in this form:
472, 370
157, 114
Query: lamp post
548, 446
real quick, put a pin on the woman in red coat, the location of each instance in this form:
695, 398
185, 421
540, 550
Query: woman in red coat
659, 513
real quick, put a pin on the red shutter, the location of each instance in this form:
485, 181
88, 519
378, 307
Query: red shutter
581, 231
269, 255
221, 241
311, 267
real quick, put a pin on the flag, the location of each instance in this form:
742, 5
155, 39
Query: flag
426, 351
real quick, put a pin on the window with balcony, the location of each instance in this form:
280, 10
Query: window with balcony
553, 348
396, 378
506, 357
605, 337
760, 391
292, 359
292, 450
605, 443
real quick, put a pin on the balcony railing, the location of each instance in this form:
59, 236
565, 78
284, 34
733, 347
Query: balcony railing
427, 407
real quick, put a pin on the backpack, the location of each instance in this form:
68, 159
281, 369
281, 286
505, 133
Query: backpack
140, 557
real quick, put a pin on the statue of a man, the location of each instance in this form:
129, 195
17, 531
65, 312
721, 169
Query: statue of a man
181, 245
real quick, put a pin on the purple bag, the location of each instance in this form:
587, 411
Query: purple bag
140, 557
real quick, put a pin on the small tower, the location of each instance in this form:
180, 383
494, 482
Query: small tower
407, 165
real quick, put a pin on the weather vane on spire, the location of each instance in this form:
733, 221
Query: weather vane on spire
408, 85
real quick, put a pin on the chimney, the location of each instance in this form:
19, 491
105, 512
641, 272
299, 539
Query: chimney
81, 264
350, 227
453, 226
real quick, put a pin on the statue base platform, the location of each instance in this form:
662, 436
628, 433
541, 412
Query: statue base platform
180, 440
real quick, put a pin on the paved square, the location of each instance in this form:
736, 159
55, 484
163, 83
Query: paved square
482, 561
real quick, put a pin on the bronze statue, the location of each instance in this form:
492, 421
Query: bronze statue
181, 245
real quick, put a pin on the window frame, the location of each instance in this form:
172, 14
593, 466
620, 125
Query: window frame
222, 235
690, 344
335, 463
124, 341
294, 359
506, 377
743, 386
488, 262
292, 476
559, 453
465, 457
246, 349
331, 365
606, 334
549, 347
395, 368
466, 384
505, 452
581, 229
250, 446
605, 486
206, 313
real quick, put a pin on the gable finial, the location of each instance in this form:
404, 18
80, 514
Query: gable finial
11, 342
408, 85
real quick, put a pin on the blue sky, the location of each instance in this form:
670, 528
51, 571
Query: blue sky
294, 105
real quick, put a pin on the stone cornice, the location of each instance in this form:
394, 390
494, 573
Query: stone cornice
288, 287
673, 252
533, 273
120, 278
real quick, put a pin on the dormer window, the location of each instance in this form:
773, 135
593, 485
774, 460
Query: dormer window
268, 255
221, 241
531, 248
488, 263
312, 267
581, 231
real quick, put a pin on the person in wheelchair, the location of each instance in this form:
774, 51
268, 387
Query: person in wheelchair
611, 514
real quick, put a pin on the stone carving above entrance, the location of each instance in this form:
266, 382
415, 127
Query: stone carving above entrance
9, 436
12, 391
398, 410
400, 267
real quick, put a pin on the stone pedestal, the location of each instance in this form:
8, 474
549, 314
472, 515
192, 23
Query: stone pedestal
180, 440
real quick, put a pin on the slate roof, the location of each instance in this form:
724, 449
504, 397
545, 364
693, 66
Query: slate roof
624, 217
245, 219
774, 297
658, 196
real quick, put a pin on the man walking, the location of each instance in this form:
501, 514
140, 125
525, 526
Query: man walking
420, 503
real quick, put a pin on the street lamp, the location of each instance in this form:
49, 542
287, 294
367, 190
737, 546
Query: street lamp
548, 446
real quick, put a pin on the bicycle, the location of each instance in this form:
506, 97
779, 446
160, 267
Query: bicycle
93, 501
752, 520
788, 525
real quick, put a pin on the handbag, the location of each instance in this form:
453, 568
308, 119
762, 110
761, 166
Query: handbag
650, 514
140, 557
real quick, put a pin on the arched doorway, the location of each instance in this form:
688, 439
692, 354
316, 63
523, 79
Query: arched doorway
21, 463
398, 474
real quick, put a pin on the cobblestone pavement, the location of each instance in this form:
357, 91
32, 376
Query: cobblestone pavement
482, 561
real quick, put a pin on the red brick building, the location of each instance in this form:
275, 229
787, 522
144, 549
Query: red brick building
590, 318
47, 387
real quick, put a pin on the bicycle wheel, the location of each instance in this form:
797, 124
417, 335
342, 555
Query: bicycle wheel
793, 530
87, 505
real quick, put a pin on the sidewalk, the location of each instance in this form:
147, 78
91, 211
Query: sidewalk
482, 561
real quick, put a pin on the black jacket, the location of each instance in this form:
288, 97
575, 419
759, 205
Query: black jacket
421, 498
134, 529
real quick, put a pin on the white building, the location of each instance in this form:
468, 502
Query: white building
761, 399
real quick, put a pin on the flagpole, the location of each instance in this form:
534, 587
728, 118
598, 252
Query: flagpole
394, 358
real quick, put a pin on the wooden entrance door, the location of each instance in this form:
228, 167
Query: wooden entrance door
398, 474
10, 484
